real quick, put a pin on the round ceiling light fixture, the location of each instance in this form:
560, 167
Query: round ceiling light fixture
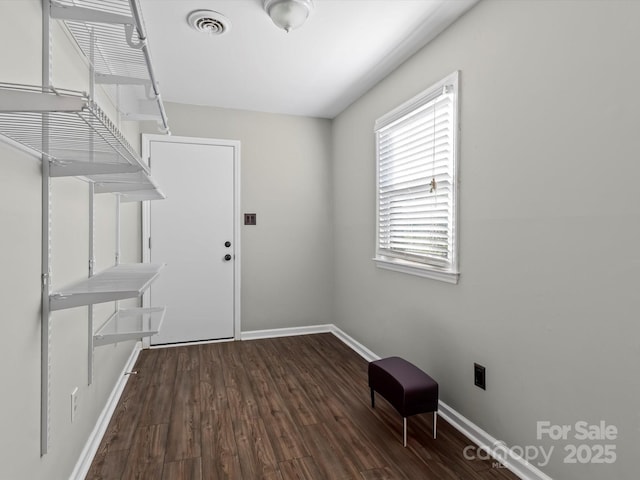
208, 21
288, 14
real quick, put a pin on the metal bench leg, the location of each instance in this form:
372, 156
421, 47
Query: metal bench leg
373, 399
404, 431
435, 420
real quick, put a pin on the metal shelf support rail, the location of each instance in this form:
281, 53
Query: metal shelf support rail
45, 313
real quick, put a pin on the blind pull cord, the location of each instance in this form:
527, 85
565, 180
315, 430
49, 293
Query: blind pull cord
433, 183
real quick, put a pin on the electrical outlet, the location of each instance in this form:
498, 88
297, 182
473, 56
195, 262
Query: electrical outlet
74, 404
480, 376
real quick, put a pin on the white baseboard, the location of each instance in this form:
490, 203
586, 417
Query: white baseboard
93, 443
496, 448
356, 346
187, 344
286, 332
360, 349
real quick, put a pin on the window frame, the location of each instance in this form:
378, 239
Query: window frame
451, 273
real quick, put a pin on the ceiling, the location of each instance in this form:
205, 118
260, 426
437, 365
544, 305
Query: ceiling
344, 48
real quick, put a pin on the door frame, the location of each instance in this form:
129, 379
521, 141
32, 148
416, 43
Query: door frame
146, 217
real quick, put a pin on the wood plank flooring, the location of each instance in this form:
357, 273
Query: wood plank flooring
275, 409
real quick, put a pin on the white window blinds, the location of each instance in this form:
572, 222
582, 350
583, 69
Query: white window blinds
416, 148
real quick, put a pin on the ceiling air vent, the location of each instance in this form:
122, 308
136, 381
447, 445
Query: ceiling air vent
208, 21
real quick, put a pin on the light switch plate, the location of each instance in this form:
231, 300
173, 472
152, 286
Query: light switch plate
250, 219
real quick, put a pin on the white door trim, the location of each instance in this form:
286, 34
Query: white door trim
146, 217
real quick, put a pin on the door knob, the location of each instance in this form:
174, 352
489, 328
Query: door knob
227, 244
227, 257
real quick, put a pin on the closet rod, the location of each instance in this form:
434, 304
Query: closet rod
142, 34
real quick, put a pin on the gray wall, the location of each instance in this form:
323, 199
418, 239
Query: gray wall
549, 225
285, 180
20, 238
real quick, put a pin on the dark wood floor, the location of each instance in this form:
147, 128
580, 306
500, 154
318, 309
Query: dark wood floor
285, 408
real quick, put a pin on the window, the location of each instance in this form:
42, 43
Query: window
416, 151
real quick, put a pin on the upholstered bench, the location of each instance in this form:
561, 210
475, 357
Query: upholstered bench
407, 388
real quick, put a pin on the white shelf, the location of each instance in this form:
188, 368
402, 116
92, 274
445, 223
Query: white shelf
113, 30
130, 185
115, 283
79, 139
32, 100
141, 195
77, 130
130, 324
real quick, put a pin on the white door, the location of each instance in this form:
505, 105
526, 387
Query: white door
192, 232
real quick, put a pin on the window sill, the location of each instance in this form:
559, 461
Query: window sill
419, 270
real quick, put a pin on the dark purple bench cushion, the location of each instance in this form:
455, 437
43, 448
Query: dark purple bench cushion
403, 385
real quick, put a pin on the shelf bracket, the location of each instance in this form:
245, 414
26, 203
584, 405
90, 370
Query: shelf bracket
81, 14
73, 168
107, 79
22, 101
141, 117
142, 195
118, 187
144, 110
